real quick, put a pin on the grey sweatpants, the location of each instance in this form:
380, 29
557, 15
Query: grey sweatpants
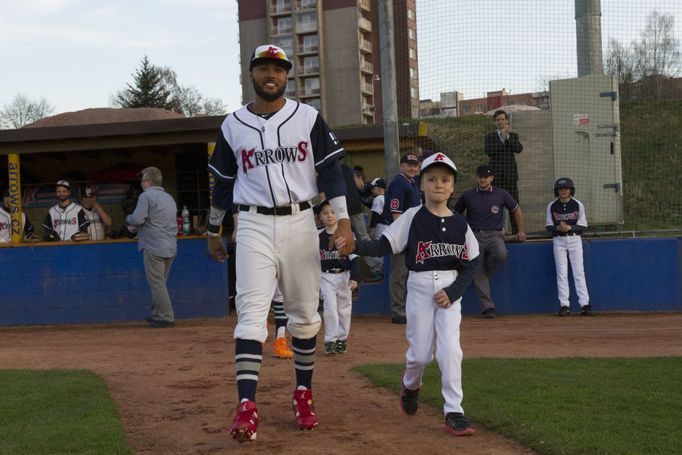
357, 221
492, 252
157, 268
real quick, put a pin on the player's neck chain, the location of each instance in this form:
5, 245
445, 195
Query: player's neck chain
262, 116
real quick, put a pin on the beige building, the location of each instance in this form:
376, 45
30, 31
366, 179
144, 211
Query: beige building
334, 48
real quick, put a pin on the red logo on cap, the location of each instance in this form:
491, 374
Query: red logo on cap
439, 157
272, 51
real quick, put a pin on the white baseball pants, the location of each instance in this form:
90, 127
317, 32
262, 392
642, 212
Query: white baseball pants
567, 248
277, 250
338, 305
430, 326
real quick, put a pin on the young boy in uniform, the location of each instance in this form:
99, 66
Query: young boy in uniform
566, 221
338, 279
441, 254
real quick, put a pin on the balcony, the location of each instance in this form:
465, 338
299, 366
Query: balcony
310, 92
307, 50
279, 9
366, 67
368, 110
306, 27
365, 25
309, 70
364, 4
365, 46
367, 88
279, 31
307, 4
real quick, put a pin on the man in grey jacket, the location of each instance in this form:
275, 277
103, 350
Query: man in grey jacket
155, 220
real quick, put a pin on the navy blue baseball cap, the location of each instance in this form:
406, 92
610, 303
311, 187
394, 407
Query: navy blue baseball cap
484, 171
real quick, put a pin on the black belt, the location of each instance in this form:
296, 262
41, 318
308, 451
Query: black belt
565, 234
277, 211
334, 270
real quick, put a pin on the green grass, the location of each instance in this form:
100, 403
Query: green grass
58, 411
567, 406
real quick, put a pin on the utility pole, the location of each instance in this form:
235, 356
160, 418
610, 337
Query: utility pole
588, 35
389, 96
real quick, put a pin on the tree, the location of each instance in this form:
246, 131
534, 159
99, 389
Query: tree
647, 62
22, 111
163, 81
148, 89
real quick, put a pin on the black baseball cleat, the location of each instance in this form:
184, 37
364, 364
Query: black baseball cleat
586, 310
458, 425
409, 399
161, 324
564, 311
489, 313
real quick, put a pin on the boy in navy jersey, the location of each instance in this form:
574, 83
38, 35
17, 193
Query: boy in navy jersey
338, 279
441, 254
566, 221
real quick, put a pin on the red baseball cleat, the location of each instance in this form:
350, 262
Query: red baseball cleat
306, 419
245, 423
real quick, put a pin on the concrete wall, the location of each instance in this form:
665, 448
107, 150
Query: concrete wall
252, 33
622, 275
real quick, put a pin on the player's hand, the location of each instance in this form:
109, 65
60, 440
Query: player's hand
441, 298
521, 236
353, 285
80, 236
345, 232
216, 249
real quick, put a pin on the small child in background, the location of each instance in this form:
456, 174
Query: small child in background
441, 254
566, 221
377, 225
338, 279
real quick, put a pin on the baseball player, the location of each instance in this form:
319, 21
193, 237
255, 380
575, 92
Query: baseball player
65, 220
403, 193
100, 221
376, 223
6, 221
441, 253
339, 278
566, 221
280, 348
272, 157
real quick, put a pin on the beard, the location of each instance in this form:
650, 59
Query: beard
269, 97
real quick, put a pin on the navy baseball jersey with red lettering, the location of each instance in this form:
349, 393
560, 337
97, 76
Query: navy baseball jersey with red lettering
571, 212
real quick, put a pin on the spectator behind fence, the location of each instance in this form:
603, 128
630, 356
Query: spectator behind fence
6, 221
484, 213
502, 146
100, 221
65, 220
156, 223
402, 193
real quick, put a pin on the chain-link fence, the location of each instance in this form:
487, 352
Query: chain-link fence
592, 91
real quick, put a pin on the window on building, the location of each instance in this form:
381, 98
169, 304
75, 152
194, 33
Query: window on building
283, 25
283, 6
311, 64
410, 14
291, 88
314, 102
308, 4
413, 54
312, 86
307, 22
466, 108
286, 43
480, 108
414, 92
311, 43
413, 73
411, 34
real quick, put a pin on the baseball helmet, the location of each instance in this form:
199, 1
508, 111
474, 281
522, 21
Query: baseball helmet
564, 182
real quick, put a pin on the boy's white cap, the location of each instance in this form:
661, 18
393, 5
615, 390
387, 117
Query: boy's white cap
439, 158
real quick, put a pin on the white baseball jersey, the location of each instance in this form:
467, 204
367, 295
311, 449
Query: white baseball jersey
66, 222
6, 225
96, 227
273, 161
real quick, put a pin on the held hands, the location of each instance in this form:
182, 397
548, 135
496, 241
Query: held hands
441, 298
343, 238
353, 285
216, 249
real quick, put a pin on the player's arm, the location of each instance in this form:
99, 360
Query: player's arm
354, 270
513, 207
460, 205
581, 224
223, 166
466, 268
549, 219
50, 233
106, 218
328, 152
376, 248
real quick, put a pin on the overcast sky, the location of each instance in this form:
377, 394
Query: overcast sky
76, 53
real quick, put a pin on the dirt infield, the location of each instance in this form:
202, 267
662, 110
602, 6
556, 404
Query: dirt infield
175, 388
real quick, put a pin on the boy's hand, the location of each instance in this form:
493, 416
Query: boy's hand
343, 238
441, 298
353, 285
